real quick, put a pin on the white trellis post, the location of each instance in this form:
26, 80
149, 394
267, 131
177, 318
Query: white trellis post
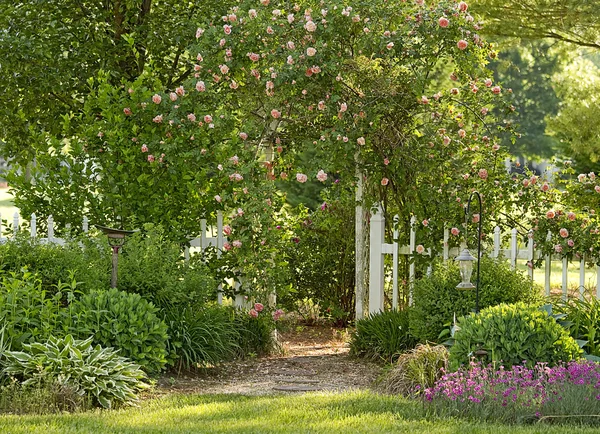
395, 267
513, 249
86, 225
581, 277
411, 268
376, 238
530, 254
446, 246
15, 223
497, 241
598, 281
548, 269
50, 229
219, 251
33, 231
565, 277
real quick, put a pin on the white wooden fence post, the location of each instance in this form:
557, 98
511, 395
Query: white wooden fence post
581, 277
513, 249
411, 268
446, 246
395, 267
50, 228
530, 254
376, 238
496, 253
15, 223
219, 251
33, 226
565, 277
548, 270
86, 225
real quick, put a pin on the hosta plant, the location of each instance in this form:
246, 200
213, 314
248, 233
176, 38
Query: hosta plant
124, 321
512, 334
100, 373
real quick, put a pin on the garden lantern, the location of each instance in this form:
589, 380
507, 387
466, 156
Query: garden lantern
465, 265
116, 239
465, 258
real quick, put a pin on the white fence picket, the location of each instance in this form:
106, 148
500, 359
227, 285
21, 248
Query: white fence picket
513, 249
565, 277
548, 270
33, 230
411, 268
15, 223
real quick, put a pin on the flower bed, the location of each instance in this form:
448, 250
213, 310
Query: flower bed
512, 395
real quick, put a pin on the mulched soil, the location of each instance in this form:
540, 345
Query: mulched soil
312, 358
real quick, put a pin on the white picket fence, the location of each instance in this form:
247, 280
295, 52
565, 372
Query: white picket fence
214, 237
379, 248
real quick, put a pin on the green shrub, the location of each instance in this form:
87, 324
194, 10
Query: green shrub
153, 266
87, 260
40, 399
383, 335
256, 336
97, 372
512, 334
416, 370
28, 313
436, 299
200, 336
583, 319
124, 321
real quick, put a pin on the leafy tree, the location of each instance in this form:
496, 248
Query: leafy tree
573, 21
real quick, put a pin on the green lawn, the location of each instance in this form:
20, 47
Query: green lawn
348, 412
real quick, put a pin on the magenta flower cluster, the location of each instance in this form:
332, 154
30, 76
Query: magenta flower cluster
518, 387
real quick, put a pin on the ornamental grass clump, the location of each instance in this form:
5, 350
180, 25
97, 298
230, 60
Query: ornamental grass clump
568, 390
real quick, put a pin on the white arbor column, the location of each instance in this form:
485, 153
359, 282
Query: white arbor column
359, 246
376, 262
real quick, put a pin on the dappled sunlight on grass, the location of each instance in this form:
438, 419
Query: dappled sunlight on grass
348, 412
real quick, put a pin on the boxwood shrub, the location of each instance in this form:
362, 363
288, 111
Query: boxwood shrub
436, 299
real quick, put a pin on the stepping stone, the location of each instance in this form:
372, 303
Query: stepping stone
297, 380
294, 372
297, 388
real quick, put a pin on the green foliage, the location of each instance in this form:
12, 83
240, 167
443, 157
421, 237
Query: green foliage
256, 336
123, 321
41, 398
416, 370
512, 335
321, 257
383, 335
28, 313
97, 372
87, 262
582, 318
200, 336
436, 299
153, 266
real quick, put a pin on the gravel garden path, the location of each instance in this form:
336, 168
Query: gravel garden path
312, 358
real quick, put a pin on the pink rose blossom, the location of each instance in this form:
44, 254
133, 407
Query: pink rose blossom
191, 117
385, 181
227, 230
127, 111
150, 158
386, 161
144, 148
571, 216
277, 314
390, 45
563, 232
224, 69
420, 249
276, 114
252, 13
235, 159
243, 136
597, 188
227, 29
290, 45
254, 57
475, 218
581, 177
310, 26
156, 99
158, 119
454, 231
425, 222
237, 243
558, 248
226, 246
270, 30
483, 174
180, 91
253, 313
550, 214
301, 177
361, 141
545, 187
218, 198
571, 243
258, 307
322, 176
310, 51
199, 32
488, 82
496, 90
462, 44
208, 119
462, 6
200, 86
443, 22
